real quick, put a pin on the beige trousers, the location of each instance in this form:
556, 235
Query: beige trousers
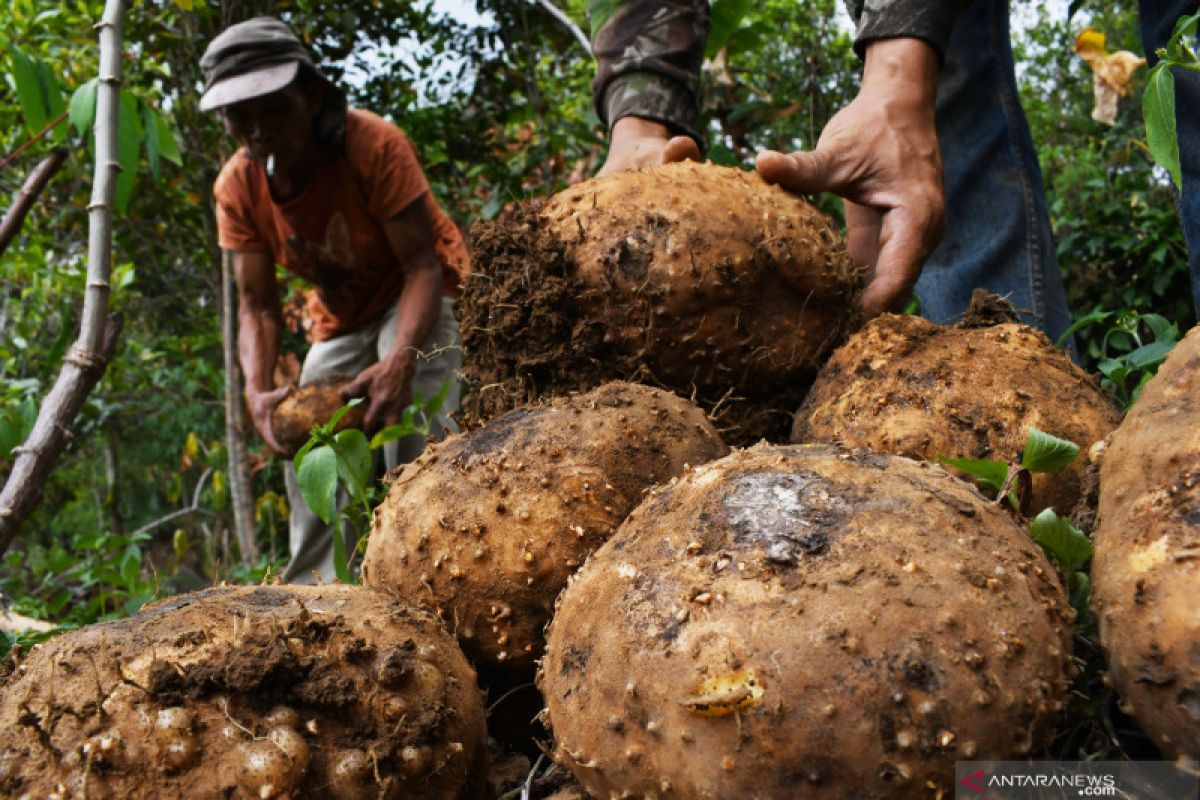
439, 360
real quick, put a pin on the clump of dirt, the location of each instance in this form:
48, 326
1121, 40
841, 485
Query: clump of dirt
1146, 571
775, 624
904, 385
487, 526
701, 279
309, 406
252, 692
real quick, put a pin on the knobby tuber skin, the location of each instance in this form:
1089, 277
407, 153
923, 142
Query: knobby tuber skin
906, 386
309, 406
1146, 568
253, 692
486, 526
805, 620
702, 279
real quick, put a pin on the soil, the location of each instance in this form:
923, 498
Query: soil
254, 692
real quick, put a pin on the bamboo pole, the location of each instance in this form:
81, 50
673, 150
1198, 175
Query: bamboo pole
84, 365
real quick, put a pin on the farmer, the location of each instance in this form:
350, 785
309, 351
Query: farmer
335, 195
938, 71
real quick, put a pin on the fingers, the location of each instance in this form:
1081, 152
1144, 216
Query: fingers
680, 148
806, 172
904, 245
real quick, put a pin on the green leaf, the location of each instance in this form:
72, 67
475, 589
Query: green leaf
991, 474
82, 109
151, 138
131, 564
1158, 109
725, 18
1061, 540
56, 104
1161, 327
168, 145
1083, 322
1046, 453
1150, 355
29, 90
354, 458
1081, 590
129, 146
341, 412
434, 404
1185, 28
318, 476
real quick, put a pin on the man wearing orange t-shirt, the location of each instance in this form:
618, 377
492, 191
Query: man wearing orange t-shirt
336, 196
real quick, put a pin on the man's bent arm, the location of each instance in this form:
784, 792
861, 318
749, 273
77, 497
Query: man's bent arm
260, 328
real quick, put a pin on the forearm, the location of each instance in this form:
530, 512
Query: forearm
648, 59
259, 334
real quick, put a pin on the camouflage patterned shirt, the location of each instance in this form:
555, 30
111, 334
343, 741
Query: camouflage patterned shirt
885, 19
649, 52
648, 58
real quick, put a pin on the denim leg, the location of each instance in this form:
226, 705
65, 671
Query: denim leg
997, 224
1158, 19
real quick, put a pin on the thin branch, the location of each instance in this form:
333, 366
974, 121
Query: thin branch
51, 125
569, 23
98, 333
194, 508
33, 186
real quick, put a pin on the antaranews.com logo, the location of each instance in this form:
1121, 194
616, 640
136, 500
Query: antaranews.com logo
1058, 780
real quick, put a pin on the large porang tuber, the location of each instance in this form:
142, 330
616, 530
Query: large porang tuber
703, 279
487, 526
904, 385
256, 692
805, 621
1146, 570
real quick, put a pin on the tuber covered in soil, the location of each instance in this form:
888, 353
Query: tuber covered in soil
309, 406
1146, 568
699, 278
904, 385
805, 621
486, 526
254, 692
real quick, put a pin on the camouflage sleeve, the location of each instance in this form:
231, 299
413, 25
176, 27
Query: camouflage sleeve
648, 58
929, 20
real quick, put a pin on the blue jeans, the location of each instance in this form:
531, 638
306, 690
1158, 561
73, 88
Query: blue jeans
998, 233
1158, 19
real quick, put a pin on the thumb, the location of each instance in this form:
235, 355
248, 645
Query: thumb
359, 387
804, 171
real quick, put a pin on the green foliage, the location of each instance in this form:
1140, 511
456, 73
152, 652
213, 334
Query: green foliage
1119, 242
1158, 101
1046, 453
1068, 547
39, 91
1130, 351
330, 461
1042, 453
1061, 540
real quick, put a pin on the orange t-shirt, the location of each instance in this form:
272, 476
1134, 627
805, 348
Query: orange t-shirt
331, 234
